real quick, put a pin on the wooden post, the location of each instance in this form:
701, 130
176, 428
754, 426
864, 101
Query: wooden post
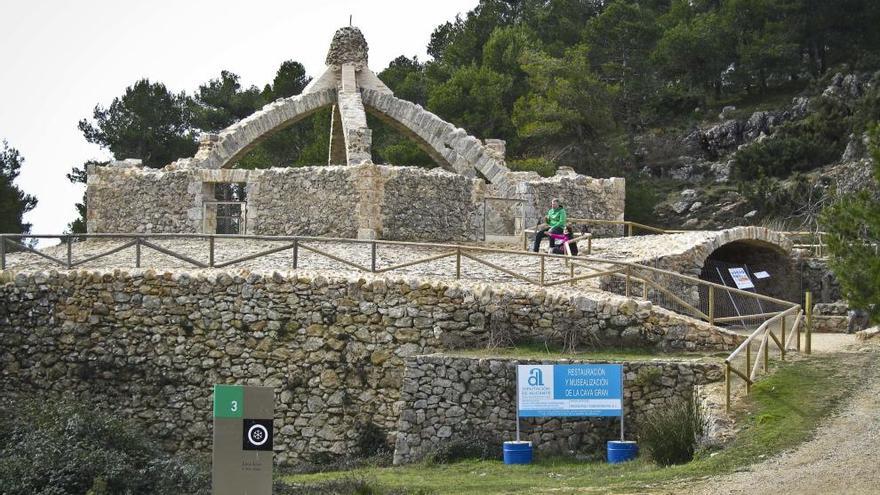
798, 337
70, 251
457, 263
808, 341
629, 228
373, 248
782, 329
571, 272
748, 366
590, 245
767, 351
211, 251
626, 288
711, 304
295, 253
644, 289
137, 253
727, 385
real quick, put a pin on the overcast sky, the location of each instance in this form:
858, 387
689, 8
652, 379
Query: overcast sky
60, 58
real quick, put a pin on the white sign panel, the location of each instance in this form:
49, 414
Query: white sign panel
761, 275
741, 278
569, 390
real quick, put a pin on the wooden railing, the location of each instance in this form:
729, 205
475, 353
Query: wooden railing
630, 229
628, 279
771, 334
664, 288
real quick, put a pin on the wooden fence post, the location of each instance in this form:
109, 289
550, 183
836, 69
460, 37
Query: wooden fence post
211, 251
808, 343
711, 304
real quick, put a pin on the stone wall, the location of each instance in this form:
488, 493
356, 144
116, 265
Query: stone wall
309, 201
435, 204
388, 202
817, 278
132, 199
459, 399
364, 201
152, 345
582, 197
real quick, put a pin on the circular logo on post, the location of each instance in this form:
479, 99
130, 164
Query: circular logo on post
257, 434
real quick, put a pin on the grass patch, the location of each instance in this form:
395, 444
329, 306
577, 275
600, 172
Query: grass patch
783, 411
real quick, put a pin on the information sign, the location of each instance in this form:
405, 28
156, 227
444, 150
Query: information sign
569, 390
243, 437
762, 275
741, 278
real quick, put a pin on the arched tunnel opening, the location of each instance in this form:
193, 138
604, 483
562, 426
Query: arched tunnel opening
753, 266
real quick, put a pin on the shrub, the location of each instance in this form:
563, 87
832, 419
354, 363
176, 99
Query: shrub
817, 140
670, 434
61, 447
471, 446
544, 167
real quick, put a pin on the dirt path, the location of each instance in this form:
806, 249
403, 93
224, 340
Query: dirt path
839, 459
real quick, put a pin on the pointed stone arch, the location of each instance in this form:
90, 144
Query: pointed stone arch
451, 147
222, 150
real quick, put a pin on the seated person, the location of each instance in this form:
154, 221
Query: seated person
558, 241
556, 218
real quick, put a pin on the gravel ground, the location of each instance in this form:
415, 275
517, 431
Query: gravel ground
229, 249
839, 459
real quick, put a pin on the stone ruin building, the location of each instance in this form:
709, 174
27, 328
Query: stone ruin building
450, 203
350, 354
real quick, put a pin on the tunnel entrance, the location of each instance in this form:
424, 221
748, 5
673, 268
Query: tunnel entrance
759, 267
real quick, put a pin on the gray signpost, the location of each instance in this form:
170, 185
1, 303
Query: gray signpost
243, 438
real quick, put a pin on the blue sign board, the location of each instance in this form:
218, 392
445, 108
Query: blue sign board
570, 390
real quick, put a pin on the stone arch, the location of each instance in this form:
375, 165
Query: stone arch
224, 149
449, 146
758, 255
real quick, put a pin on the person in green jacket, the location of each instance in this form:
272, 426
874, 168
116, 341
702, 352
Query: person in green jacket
556, 218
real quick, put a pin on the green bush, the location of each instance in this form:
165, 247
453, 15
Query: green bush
670, 434
642, 196
63, 447
817, 140
544, 167
472, 446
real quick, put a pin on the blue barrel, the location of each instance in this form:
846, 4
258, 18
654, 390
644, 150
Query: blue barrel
622, 451
517, 452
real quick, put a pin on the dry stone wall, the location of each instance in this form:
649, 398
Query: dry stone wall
134, 199
310, 201
388, 202
582, 197
458, 399
151, 345
435, 204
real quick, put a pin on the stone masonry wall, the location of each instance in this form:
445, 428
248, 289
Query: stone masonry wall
152, 345
582, 197
309, 201
388, 202
459, 399
134, 199
436, 204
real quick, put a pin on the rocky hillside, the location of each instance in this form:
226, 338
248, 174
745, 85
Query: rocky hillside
706, 176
